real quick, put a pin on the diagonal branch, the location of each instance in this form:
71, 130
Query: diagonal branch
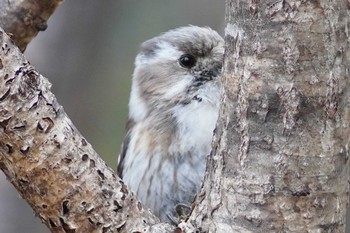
25, 18
53, 167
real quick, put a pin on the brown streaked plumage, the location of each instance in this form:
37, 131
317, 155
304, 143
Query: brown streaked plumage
173, 109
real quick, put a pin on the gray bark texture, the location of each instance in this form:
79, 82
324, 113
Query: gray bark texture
69, 187
23, 19
280, 152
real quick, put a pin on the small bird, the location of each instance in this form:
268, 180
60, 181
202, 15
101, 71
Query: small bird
173, 109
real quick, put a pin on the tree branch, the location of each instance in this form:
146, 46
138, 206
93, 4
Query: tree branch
280, 151
53, 167
25, 18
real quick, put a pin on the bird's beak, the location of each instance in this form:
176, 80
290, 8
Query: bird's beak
208, 75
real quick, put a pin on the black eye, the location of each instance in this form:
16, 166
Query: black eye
187, 61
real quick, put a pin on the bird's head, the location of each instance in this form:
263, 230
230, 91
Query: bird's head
176, 68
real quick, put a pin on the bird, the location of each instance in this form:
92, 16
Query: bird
173, 108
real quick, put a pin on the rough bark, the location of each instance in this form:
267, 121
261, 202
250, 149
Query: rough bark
25, 18
69, 187
280, 153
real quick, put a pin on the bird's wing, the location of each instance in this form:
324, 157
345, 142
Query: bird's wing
124, 147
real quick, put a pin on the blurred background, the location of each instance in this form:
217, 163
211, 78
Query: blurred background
87, 53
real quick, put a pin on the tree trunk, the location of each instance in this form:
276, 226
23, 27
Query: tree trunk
280, 153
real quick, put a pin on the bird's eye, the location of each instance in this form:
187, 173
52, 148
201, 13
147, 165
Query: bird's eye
187, 61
